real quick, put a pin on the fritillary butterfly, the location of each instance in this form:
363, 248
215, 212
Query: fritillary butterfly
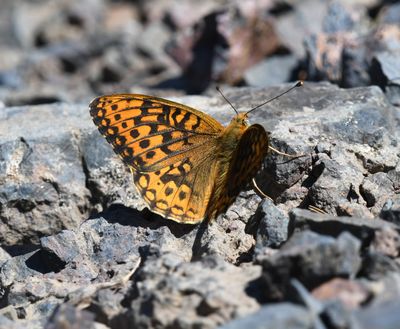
185, 164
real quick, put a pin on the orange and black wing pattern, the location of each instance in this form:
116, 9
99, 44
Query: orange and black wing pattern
169, 147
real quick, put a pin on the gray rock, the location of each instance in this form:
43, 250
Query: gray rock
312, 259
293, 25
388, 66
385, 290
271, 71
126, 266
85, 264
107, 178
4, 256
98, 179
355, 67
390, 14
351, 293
336, 316
375, 190
354, 136
377, 265
270, 225
364, 229
386, 241
76, 266
383, 316
338, 18
275, 316
201, 294
391, 210
68, 317
16, 269
43, 183
12, 322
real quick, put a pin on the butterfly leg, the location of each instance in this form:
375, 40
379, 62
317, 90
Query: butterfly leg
257, 189
285, 154
317, 210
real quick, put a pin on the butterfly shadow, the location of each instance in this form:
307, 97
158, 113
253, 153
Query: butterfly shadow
198, 248
118, 213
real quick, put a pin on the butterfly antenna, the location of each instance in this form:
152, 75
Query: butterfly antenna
298, 84
227, 100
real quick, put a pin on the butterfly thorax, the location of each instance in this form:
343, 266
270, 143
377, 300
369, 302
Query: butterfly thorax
231, 135
228, 143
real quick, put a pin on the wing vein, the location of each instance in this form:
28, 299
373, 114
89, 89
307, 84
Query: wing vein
167, 125
195, 178
171, 155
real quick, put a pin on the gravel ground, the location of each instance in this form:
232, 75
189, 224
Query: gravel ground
80, 249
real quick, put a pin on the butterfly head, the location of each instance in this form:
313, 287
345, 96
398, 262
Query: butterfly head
240, 120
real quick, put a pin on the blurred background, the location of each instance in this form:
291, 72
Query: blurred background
72, 50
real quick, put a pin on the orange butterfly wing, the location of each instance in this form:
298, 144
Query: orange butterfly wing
170, 148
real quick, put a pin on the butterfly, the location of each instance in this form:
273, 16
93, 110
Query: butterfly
185, 164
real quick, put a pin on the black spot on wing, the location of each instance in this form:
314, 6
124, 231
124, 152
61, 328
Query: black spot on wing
169, 191
144, 143
150, 154
134, 133
182, 195
166, 137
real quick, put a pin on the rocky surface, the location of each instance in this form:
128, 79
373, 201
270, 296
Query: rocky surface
126, 267
79, 248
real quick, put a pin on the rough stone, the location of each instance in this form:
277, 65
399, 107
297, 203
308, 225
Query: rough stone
377, 265
332, 180
271, 226
203, 294
375, 190
275, 316
38, 282
386, 70
390, 14
271, 71
4, 256
350, 293
336, 316
383, 316
312, 259
391, 210
126, 266
68, 317
387, 242
363, 228
43, 182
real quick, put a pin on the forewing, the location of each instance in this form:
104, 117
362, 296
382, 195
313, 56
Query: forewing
169, 147
150, 133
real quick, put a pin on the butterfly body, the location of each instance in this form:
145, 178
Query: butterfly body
185, 164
